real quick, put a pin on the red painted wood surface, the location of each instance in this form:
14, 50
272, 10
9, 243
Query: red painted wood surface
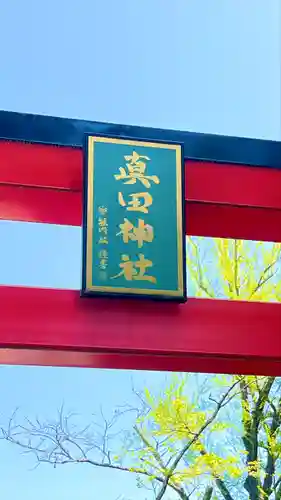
61, 168
50, 206
121, 361
40, 183
233, 184
40, 165
213, 330
238, 222
65, 207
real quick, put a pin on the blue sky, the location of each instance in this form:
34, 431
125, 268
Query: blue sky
205, 66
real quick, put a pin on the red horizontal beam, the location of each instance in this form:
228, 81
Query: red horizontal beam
50, 206
238, 185
228, 221
40, 165
40, 183
61, 168
202, 328
203, 364
65, 207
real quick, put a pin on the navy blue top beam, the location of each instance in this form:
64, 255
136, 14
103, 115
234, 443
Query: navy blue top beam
70, 132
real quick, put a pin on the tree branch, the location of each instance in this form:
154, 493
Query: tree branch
208, 493
220, 483
251, 422
271, 458
263, 278
236, 256
60, 455
220, 404
159, 460
199, 276
277, 488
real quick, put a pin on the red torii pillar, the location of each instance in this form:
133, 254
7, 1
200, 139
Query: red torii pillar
233, 190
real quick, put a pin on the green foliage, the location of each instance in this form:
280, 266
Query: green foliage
249, 448
174, 422
235, 269
241, 271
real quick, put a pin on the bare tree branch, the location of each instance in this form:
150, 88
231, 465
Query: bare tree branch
143, 451
53, 447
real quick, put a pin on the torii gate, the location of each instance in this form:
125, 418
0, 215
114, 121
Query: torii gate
233, 190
